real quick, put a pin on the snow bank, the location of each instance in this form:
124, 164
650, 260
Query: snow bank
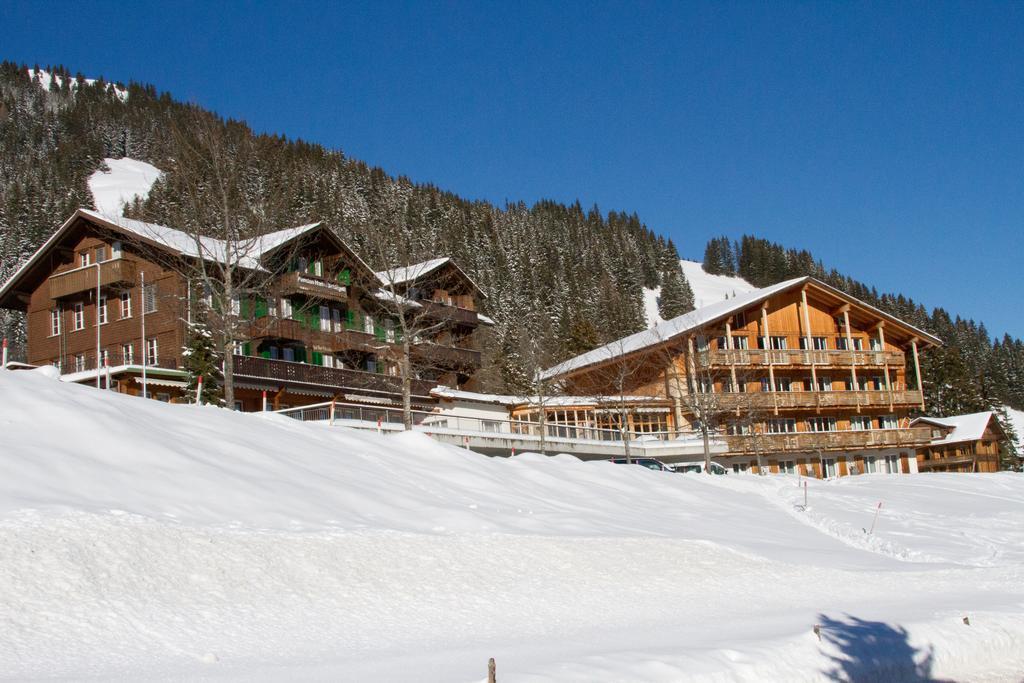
707, 289
1016, 418
143, 540
119, 182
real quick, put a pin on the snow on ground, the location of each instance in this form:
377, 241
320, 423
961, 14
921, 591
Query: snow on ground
119, 182
45, 78
142, 540
707, 289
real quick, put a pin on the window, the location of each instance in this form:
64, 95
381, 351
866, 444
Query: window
862, 423
127, 354
126, 305
54, 322
739, 467
740, 342
787, 467
101, 254
871, 464
844, 344
116, 250
151, 351
368, 324
776, 343
821, 424
817, 343
163, 397
737, 428
149, 299
79, 362
824, 383
739, 387
56, 364
781, 384
84, 259
104, 358
892, 464
828, 467
286, 308
79, 316
876, 344
888, 422
103, 310
702, 343
784, 425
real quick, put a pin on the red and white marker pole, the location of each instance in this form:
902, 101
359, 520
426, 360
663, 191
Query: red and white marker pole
878, 508
199, 389
3, 364
264, 401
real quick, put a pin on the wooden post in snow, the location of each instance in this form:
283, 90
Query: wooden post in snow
492, 671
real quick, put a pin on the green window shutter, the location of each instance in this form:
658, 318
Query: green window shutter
265, 353
261, 308
379, 332
246, 349
300, 354
244, 307
318, 358
345, 277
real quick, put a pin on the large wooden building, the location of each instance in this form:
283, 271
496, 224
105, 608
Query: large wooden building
961, 443
319, 329
799, 376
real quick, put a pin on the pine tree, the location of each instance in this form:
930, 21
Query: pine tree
676, 296
201, 360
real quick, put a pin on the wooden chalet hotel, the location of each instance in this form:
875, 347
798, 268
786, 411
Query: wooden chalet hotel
322, 333
800, 373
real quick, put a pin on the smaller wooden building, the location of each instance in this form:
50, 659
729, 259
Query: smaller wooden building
961, 443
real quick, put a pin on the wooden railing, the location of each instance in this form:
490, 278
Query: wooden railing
817, 399
280, 371
449, 356
115, 271
826, 441
303, 283
336, 339
447, 313
827, 358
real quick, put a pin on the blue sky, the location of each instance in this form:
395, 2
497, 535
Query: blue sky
886, 138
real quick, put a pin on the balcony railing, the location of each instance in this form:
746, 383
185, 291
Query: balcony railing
304, 283
280, 371
115, 271
337, 338
449, 356
817, 399
801, 357
448, 313
806, 442
88, 362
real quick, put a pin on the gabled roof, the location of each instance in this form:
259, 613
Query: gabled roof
400, 275
969, 427
180, 243
701, 317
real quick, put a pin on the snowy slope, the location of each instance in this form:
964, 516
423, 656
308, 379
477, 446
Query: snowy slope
707, 289
45, 78
120, 181
142, 540
1017, 420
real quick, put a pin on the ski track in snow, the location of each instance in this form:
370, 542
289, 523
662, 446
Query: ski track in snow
178, 542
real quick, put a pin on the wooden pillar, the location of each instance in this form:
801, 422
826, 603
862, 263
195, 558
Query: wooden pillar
732, 359
807, 337
917, 371
768, 355
853, 355
691, 365
885, 361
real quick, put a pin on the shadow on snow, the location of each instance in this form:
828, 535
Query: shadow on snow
870, 651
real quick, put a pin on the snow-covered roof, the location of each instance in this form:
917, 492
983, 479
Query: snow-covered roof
965, 427
549, 401
485, 319
400, 275
667, 330
698, 318
118, 369
385, 295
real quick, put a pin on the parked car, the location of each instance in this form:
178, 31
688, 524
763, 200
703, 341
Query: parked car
686, 468
649, 463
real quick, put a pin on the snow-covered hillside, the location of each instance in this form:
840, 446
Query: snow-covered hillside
119, 182
1017, 421
707, 289
142, 540
45, 78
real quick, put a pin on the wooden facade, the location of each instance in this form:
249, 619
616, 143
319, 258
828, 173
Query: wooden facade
318, 331
954, 446
795, 370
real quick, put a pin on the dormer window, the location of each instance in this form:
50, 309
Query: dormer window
84, 259
101, 253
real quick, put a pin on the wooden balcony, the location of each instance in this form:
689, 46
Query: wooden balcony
809, 442
283, 373
801, 358
453, 314
311, 285
818, 399
113, 272
342, 339
448, 356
